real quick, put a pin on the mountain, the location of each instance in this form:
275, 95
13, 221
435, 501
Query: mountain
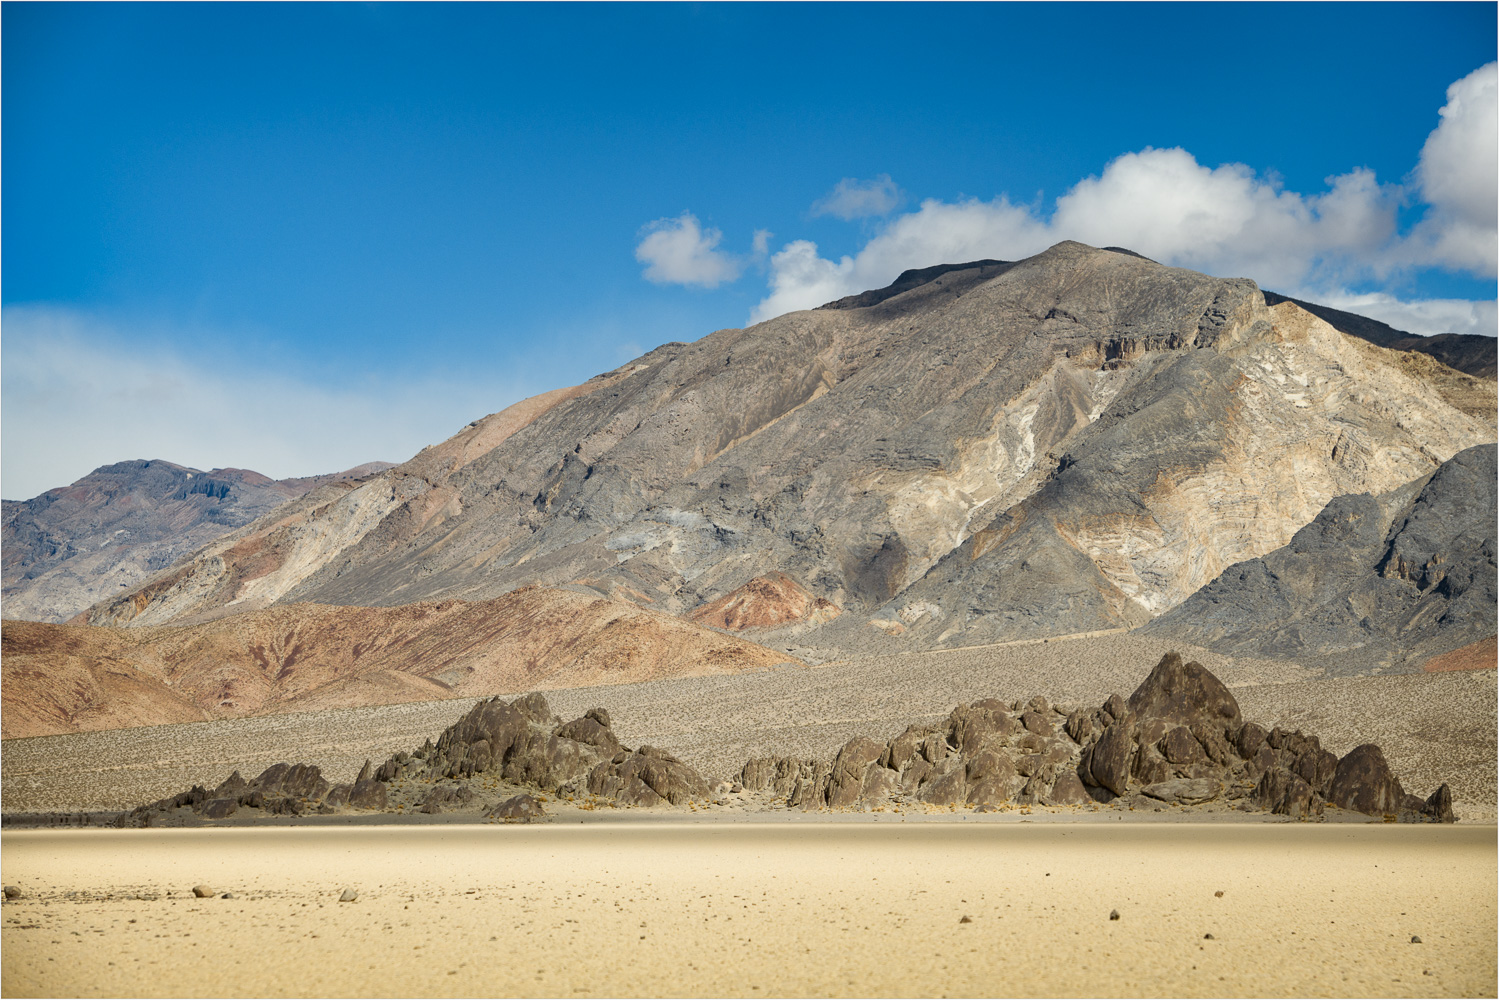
301, 657
1372, 582
78, 544
1073, 442
1466, 352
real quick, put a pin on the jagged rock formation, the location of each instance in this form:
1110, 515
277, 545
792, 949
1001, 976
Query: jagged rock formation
1373, 582
1466, 352
73, 546
520, 743
69, 678
1178, 740
281, 790
1073, 442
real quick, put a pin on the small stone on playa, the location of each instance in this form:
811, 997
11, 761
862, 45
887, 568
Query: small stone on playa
1219, 894
12, 892
202, 891
1207, 937
349, 895
966, 920
227, 895
1415, 940
1113, 914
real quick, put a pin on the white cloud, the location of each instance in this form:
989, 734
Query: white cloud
936, 233
852, 198
680, 252
1227, 220
79, 393
1457, 177
1424, 317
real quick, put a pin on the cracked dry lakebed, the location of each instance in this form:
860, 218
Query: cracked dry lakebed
751, 909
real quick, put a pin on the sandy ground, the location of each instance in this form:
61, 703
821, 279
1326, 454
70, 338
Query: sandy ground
755, 910
1433, 727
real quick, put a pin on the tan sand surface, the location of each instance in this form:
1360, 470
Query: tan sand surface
1433, 727
680, 909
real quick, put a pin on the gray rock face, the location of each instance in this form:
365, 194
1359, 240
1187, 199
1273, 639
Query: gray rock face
989, 453
79, 544
1387, 581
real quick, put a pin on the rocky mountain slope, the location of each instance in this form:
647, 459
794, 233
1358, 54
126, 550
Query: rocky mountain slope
301, 657
1373, 582
1073, 442
1466, 352
73, 546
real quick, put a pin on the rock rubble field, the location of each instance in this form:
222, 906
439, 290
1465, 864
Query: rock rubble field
1179, 742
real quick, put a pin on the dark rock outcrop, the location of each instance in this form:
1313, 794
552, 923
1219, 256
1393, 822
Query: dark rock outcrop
1182, 739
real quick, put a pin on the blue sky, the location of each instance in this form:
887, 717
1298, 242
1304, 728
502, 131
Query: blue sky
296, 237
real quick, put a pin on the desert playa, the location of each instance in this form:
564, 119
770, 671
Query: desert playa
961, 908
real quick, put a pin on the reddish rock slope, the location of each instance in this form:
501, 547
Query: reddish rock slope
69, 678
766, 602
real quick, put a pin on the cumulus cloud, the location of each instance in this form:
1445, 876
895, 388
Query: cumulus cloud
1159, 202
1457, 178
937, 232
852, 198
79, 393
1227, 220
681, 252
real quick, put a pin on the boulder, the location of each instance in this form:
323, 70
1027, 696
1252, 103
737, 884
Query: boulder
1438, 808
367, 793
1067, 790
989, 792
1250, 738
219, 808
847, 778
1037, 723
1184, 693
879, 784
947, 790
1180, 747
517, 809
1107, 763
991, 765
443, 798
592, 732
1286, 794
1363, 783
1185, 791
904, 748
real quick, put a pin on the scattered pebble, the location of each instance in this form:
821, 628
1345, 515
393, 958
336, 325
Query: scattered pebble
202, 891
12, 892
1415, 940
227, 895
966, 920
1208, 937
1113, 914
349, 895
1219, 894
